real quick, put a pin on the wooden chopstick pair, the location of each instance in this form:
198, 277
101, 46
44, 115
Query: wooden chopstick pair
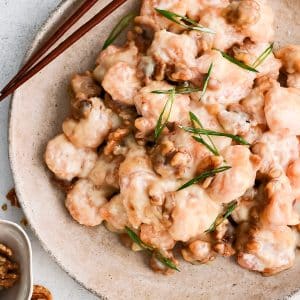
33, 66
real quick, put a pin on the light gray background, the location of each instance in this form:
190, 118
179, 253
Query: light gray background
19, 22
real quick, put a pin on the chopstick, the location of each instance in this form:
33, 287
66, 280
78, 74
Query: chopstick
82, 10
106, 11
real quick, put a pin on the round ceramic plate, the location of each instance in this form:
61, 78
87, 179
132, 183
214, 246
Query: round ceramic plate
94, 257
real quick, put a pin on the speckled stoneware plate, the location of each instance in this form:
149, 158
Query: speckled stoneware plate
94, 257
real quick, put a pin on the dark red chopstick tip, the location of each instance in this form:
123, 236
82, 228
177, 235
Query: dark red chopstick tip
99, 17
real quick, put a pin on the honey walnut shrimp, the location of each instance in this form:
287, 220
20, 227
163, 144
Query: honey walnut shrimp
120, 175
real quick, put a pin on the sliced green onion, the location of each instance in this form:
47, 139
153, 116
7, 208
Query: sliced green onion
135, 238
178, 90
184, 21
124, 22
223, 216
207, 77
200, 140
263, 56
204, 175
160, 123
164, 260
212, 148
236, 138
237, 62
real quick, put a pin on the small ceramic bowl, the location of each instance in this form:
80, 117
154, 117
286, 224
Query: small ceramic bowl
15, 238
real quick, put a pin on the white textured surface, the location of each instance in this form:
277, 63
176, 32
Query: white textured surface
19, 22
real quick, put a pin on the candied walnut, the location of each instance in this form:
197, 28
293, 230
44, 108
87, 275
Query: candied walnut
114, 141
143, 33
181, 72
224, 249
81, 109
41, 293
4, 250
198, 251
126, 114
84, 86
223, 238
178, 155
167, 160
9, 271
209, 162
157, 266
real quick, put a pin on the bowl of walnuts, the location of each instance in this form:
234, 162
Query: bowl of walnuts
15, 262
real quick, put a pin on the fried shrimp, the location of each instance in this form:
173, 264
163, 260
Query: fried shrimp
67, 161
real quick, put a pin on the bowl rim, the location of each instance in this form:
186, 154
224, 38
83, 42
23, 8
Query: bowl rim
18, 228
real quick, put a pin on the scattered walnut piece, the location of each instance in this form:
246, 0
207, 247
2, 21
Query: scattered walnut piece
12, 197
115, 140
41, 293
24, 222
4, 250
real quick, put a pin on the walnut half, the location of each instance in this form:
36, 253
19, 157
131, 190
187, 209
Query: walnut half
9, 271
41, 293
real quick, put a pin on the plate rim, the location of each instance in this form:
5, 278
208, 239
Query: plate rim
55, 15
